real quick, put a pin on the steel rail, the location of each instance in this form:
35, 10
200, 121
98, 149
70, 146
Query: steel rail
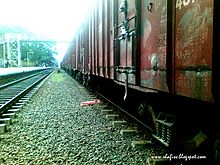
17, 81
124, 111
13, 97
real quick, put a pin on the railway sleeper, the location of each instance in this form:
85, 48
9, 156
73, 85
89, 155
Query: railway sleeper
112, 116
20, 103
23, 100
119, 123
13, 110
102, 107
91, 96
128, 132
2, 128
16, 106
106, 111
9, 115
141, 144
6, 121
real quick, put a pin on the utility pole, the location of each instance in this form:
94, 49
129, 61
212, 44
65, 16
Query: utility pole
11, 45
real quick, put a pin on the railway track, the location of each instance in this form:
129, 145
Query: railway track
170, 154
130, 126
143, 125
54, 129
13, 94
83, 134
141, 135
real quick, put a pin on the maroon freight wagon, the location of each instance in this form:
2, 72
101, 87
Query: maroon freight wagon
166, 46
158, 48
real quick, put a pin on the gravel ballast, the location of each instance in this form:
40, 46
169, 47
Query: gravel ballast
54, 129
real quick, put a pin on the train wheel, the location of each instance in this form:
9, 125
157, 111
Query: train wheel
147, 115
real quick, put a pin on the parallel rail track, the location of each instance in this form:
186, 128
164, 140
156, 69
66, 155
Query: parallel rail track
10, 93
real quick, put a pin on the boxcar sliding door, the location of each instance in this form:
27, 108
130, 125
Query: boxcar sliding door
154, 44
125, 40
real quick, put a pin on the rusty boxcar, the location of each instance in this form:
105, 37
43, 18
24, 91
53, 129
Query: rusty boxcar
158, 50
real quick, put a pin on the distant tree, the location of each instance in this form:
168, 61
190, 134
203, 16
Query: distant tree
33, 53
38, 53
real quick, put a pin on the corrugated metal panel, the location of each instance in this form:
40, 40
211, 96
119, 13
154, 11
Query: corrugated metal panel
125, 36
106, 38
193, 48
100, 38
111, 43
93, 52
154, 44
86, 47
90, 62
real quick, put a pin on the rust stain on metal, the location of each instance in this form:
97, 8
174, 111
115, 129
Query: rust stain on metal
154, 44
193, 60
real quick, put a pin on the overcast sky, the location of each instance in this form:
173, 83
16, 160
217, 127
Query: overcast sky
56, 19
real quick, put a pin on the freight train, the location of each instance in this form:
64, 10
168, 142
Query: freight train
161, 56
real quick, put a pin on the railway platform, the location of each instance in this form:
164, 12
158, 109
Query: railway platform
16, 70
